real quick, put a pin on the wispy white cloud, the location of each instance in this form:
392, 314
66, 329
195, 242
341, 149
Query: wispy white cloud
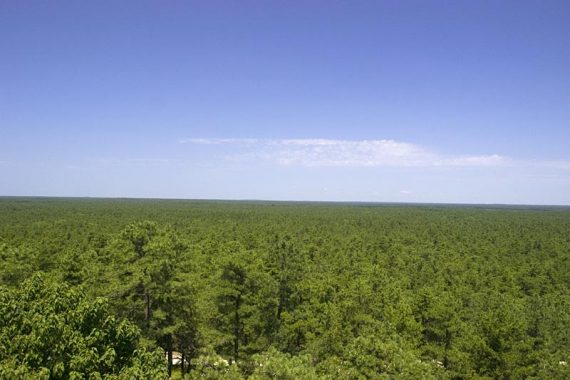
348, 153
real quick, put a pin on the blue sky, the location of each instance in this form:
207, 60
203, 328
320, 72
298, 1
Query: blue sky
414, 101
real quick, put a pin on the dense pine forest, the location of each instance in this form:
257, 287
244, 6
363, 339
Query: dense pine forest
121, 289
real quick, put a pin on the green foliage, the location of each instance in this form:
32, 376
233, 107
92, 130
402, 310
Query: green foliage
275, 365
268, 290
245, 304
53, 331
369, 356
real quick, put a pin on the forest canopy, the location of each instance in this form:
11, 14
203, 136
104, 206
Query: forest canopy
100, 288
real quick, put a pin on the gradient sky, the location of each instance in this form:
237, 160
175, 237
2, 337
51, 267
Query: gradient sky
414, 101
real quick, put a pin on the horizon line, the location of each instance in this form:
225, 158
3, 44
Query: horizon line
257, 200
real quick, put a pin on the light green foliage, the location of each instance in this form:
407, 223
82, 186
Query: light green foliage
371, 355
211, 366
275, 365
52, 331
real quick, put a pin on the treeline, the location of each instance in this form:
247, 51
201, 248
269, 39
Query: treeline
282, 290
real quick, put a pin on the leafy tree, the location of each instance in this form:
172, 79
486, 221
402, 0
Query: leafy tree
53, 331
156, 295
285, 264
245, 302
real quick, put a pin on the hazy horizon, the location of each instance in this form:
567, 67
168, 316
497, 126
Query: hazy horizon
387, 102
283, 201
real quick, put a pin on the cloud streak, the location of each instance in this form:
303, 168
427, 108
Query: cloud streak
348, 153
